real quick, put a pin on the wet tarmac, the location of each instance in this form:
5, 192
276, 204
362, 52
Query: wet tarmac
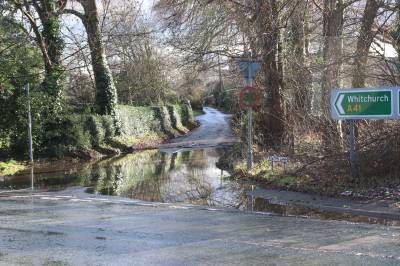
214, 131
48, 229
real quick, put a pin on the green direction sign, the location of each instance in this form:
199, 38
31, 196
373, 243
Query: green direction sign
398, 102
363, 104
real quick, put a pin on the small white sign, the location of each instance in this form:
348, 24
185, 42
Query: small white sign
280, 159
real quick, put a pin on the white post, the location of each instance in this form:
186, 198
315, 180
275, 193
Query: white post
30, 133
29, 124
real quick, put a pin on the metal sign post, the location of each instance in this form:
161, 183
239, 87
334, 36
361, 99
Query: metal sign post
249, 69
249, 82
353, 151
30, 133
29, 124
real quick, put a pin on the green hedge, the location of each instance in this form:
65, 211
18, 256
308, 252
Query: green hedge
89, 131
136, 120
93, 131
186, 114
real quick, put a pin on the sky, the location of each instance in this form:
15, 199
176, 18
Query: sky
147, 5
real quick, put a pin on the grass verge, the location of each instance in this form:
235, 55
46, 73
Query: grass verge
10, 167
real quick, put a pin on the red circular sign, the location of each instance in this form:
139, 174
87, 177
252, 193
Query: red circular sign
250, 97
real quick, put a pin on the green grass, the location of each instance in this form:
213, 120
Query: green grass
10, 168
286, 181
277, 177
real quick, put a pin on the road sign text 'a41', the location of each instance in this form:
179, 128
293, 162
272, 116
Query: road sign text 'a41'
374, 103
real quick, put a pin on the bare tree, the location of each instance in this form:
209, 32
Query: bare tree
364, 41
333, 21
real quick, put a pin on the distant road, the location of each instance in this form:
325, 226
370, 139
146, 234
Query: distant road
214, 130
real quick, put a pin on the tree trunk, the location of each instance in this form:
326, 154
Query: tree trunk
396, 38
267, 26
106, 94
299, 76
332, 56
364, 42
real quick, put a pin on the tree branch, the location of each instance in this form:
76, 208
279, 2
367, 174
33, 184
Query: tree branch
75, 13
35, 28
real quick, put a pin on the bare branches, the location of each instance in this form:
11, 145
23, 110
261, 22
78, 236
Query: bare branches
75, 13
40, 40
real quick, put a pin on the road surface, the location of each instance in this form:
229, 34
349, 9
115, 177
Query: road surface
48, 229
214, 130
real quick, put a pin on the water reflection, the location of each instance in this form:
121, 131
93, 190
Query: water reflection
190, 176
47, 179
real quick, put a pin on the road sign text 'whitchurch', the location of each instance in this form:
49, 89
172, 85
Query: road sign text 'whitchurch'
371, 103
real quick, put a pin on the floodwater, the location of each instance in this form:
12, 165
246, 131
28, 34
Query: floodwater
183, 177
188, 177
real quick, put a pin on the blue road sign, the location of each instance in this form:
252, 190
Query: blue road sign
249, 69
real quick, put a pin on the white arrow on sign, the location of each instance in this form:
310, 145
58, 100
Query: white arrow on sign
339, 104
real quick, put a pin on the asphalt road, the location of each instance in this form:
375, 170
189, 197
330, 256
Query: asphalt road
214, 130
54, 229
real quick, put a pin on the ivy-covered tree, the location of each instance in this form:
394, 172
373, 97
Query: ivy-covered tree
40, 21
43, 17
106, 94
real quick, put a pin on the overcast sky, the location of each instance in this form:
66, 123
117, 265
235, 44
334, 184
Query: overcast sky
147, 5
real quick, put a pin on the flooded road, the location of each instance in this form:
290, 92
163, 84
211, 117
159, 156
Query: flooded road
184, 170
188, 177
176, 175
173, 207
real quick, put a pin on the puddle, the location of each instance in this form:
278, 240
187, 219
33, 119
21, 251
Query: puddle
256, 204
183, 177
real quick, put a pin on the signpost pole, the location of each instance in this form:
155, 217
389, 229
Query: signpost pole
30, 132
353, 152
249, 98
249, 127
250, 139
